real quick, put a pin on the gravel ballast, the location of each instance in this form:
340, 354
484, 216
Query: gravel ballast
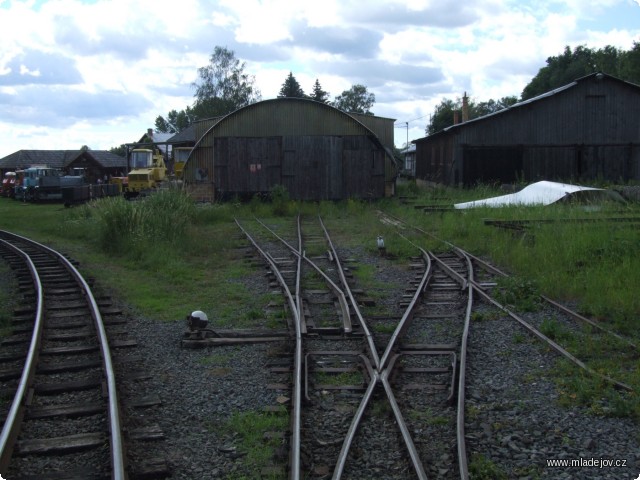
514, 422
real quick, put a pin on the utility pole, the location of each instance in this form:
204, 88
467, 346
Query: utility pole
406, 148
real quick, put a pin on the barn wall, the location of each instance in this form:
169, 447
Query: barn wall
434, 160
592, 112
381, 126
363, 169
586, 131
200, 166
309, 167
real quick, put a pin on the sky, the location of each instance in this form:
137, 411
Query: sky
99, 72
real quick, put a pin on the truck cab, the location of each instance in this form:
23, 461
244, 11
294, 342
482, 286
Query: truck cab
180, 156
148, 170
8, 184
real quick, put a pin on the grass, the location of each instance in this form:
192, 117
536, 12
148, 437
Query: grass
482, 468
7, 300
166, 257
249, 429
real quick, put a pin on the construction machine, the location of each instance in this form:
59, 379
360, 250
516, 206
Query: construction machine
180, 156
8, 184
45, 183
148, 170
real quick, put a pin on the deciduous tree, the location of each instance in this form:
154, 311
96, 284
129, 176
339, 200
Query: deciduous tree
355, 100
223, 87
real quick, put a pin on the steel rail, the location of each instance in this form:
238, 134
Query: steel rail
463, 466
303, 325
478, 288
356, 308
408, 313
550, 342
381, 374
460, 408
342, 300
402, 425
294, 451
557, 305
9, 431
117, 447
355, 422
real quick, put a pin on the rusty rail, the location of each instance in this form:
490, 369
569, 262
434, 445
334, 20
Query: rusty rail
115, 438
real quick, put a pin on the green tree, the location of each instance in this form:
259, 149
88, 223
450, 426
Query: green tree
443, 115
291, 88
573, 64
560, 70
318, 94
491, 106
355, 100
175, 121
629, 64
223, 87
121, 150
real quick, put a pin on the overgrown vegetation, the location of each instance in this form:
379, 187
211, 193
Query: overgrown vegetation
7, 299
251, 440
482, 468
166, 257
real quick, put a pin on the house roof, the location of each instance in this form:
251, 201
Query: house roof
60, 158
188, 135
159, 139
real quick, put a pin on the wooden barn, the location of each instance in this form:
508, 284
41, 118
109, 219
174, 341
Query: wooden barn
314, 150
587, 130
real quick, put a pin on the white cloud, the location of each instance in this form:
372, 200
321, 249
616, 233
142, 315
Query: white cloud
99, 72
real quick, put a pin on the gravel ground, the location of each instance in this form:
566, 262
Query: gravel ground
513, 417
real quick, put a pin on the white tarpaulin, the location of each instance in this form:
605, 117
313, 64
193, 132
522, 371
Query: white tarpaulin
540, 193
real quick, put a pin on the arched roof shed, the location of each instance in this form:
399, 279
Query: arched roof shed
314, 150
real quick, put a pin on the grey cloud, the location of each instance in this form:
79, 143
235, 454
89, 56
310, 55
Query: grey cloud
352, 42
131, 46
443, 14
61, 106
41, 68
374, 73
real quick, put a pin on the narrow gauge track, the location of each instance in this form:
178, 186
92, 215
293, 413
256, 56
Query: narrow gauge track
390, 391
590, 330
58, 365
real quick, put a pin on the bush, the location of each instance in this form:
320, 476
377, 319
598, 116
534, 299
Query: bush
136, 226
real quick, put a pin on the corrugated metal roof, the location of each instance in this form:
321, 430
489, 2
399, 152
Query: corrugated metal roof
288, 116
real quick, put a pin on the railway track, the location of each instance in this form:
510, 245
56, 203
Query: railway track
74, 402
564, 322
58, 365
360, 398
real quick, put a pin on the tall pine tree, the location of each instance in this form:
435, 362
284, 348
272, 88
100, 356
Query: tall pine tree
291, 88
318, 94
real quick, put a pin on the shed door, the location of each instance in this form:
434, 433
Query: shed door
491, 164
362, 169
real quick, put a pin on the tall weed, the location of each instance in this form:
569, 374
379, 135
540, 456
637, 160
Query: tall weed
133, 227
